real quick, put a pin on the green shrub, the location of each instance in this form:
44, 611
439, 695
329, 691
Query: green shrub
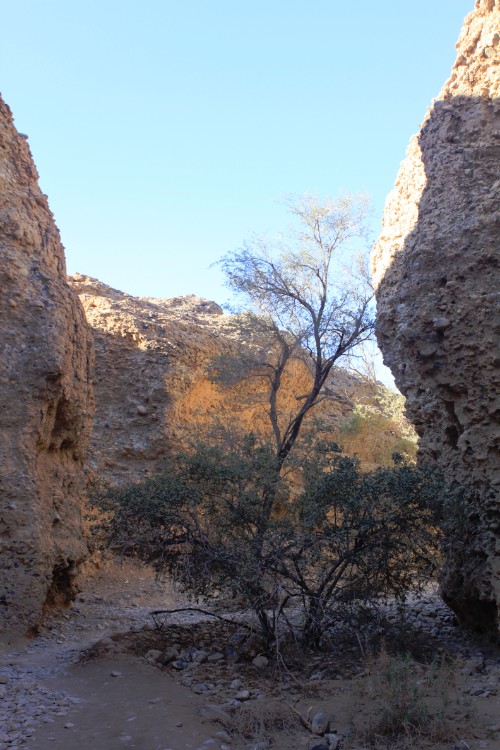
224, 523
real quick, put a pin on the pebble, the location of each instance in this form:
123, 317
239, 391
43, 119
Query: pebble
319, 723
200, 657
242, 695
215, 657
178, 664
334, 741
200, 687
260, 661
169, 655
153, 655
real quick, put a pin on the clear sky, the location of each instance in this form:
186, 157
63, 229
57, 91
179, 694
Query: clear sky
165, 132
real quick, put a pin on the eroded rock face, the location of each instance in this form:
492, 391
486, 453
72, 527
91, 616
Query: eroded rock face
45, 397
436, 266
153, 391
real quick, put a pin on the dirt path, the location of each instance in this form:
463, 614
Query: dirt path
50, 700
123, 704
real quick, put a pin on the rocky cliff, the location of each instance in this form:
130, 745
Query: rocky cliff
436, 267
45, 397
153, 384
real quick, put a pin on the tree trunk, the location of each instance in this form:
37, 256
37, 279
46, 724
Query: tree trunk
312, 629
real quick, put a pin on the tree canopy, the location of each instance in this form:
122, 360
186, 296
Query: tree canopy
310, 296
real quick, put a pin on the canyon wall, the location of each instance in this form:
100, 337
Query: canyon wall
436, 268
154, 387
45, 397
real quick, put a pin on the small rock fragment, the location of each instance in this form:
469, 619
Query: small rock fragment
170, 654
333, 740
200, 687
242, 695
178, 664
260, 661
153, 655
319, 723
215, 657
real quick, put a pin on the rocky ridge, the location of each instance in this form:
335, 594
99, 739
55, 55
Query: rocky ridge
153, 387
45, 397
436, 267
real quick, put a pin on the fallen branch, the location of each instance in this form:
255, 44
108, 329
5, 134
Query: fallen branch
160, 623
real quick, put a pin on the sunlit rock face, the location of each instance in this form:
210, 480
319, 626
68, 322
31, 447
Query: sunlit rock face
45, 398
436, 269
154, 390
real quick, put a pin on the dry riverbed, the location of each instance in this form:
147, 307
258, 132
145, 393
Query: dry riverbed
100, 676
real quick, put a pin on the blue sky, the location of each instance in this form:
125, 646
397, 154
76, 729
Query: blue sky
165, 133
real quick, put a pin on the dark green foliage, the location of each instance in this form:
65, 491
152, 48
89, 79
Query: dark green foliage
224, 522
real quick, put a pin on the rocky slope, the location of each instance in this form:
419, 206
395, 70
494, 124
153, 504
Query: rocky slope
45, 396
153, 390
436, 266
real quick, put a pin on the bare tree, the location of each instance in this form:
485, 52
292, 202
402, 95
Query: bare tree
310, 296
229, 517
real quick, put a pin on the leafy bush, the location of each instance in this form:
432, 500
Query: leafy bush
223, 522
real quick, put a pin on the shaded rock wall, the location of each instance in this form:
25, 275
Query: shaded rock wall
152, 388
45, 397
436, 267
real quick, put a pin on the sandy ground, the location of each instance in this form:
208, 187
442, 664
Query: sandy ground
141, 708
117, 700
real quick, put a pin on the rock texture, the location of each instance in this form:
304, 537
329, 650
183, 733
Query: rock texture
436, 267
153, 390
45, 397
